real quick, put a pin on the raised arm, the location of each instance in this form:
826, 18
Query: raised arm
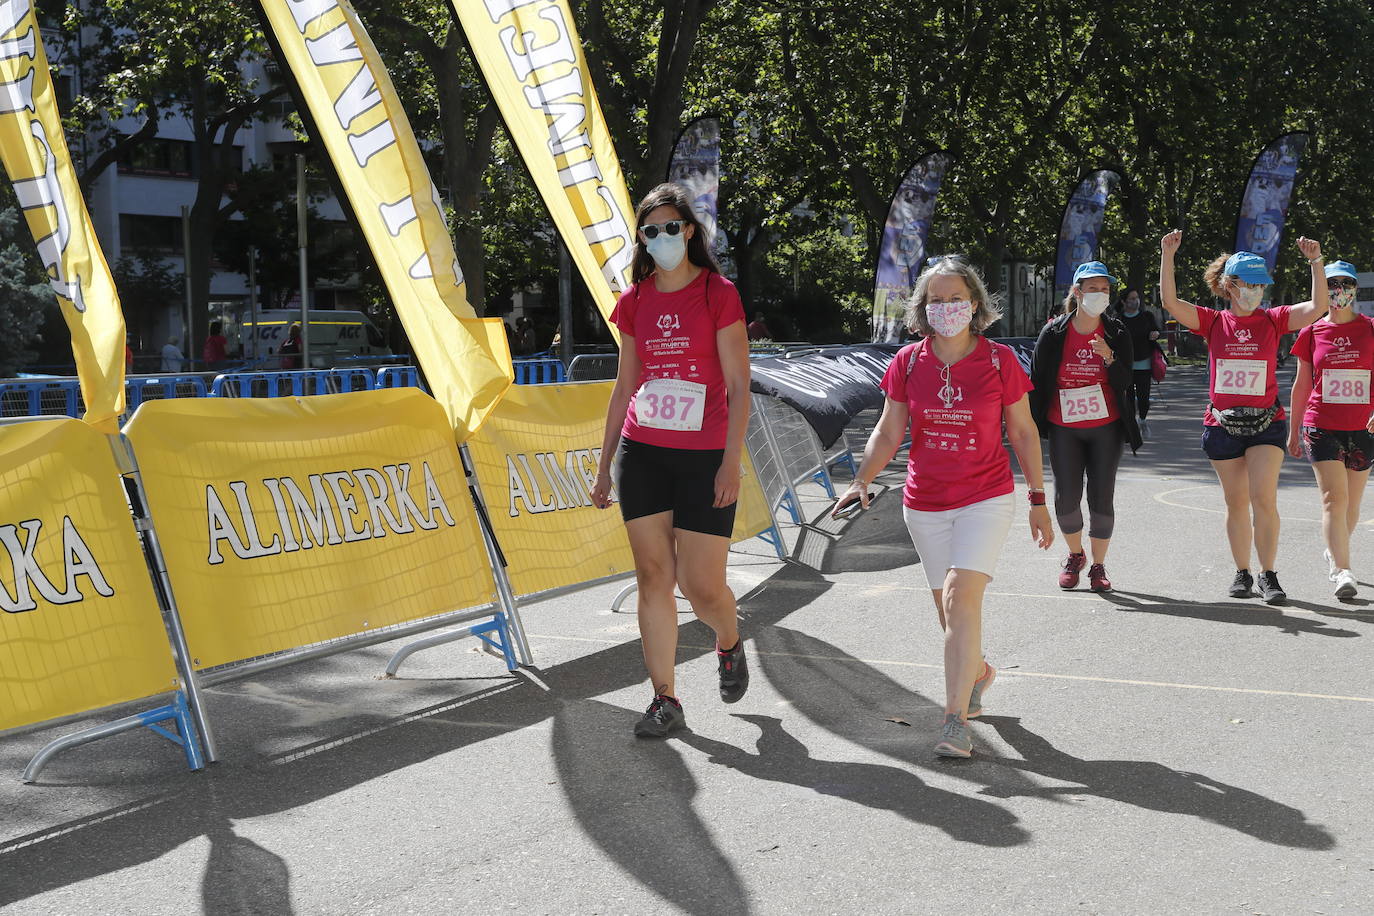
1184, 312
1304, 313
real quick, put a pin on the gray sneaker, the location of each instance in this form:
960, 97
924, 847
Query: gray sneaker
955, 740
1144, 428
980, 687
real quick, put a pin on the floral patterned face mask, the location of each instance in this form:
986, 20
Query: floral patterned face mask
948, 319
1342, 298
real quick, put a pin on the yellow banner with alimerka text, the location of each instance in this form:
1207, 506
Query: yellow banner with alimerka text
80, 627
34, 152
532, 59
536, 459
358, 117
289, 521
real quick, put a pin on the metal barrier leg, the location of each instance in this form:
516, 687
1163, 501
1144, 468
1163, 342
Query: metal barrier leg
513, 645
177, 712
170, 614
620, 599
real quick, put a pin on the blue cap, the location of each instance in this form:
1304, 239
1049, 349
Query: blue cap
1249, 267
1341, 269
1092, 269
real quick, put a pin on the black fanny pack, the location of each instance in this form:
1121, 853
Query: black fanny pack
1245, 421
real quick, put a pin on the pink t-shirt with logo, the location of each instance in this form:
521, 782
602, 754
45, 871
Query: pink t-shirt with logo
956, 456
680, 400
1342, 357
1080, 367
1241, 356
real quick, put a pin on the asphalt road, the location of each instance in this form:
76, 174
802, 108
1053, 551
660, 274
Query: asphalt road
1163, 749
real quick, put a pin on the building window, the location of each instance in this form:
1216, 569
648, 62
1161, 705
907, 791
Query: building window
172, 158
153, 234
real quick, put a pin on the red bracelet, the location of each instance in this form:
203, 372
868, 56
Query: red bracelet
1036, 499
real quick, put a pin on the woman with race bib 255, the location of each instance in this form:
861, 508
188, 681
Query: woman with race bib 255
1083, 404
1332, 405
677, 419
954, 390
1244, 431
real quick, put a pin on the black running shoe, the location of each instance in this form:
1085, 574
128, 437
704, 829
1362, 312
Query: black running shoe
1270, 590
663, 717
734, 673
1241, 584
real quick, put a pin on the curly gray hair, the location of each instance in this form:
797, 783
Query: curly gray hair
986, 307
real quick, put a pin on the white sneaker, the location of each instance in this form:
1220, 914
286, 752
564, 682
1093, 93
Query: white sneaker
1330, 565
1345, 584
1144, 429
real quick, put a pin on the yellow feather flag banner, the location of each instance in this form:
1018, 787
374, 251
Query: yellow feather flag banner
359, 118
532, 59
34, 153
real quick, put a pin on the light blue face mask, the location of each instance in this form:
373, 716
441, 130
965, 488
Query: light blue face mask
667, 250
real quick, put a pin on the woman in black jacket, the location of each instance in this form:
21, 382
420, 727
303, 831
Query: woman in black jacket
1083, 403
1144, 328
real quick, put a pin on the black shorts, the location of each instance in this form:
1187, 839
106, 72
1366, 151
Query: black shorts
653, 479
1352, 447
1222, 446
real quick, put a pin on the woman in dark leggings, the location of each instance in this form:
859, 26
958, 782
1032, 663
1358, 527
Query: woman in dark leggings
1143, 327
1082, 402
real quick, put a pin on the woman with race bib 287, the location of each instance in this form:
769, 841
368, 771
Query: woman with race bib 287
1332, 405
1244, 430
677, 418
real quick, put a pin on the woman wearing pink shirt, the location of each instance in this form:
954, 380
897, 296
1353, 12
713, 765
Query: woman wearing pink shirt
676, 421
1331, 396
1243, 428
954, 390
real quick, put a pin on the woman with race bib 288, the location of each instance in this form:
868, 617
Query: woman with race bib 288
1331, 403
677, 419
1244, 430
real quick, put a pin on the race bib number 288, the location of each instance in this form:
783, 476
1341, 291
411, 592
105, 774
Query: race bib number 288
670, 403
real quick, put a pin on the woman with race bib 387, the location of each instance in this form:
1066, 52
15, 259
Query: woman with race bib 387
1244, 430
953, 391
1332, 405
677, 419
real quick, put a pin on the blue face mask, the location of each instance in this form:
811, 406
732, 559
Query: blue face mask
667, 250
1132, 307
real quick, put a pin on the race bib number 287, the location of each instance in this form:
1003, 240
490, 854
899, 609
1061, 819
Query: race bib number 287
1241, 376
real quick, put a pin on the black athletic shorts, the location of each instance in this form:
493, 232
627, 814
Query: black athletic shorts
1354, 448
653, 479
1219, 445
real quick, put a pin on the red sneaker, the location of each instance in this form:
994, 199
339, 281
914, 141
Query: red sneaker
1097, 579
1072, 567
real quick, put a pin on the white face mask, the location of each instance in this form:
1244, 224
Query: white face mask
948, 319
1094, 304
1248, 298
667, 250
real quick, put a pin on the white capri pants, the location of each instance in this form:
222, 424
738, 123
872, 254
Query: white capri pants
970, 537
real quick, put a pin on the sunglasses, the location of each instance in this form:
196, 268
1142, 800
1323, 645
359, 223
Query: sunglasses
1347, 283
940, 258
672, 227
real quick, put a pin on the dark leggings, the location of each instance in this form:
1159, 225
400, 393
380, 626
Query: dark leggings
1096, 453
1142, 379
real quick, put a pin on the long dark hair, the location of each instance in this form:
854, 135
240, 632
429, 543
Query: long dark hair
670, 194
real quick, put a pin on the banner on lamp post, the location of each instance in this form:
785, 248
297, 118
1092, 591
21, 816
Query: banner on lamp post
903, 249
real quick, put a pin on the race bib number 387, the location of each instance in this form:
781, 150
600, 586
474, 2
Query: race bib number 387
1241, 376
670, 403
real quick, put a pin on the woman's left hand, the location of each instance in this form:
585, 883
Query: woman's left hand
727, 484
1370, 425
1042, 532
1100, 347
1310, 248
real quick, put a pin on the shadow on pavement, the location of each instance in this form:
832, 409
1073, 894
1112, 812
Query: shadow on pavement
782, 758
1252, 614
633, 798
1155, 787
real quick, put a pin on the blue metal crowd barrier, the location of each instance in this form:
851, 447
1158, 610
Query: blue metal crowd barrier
62, 396
539, 371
